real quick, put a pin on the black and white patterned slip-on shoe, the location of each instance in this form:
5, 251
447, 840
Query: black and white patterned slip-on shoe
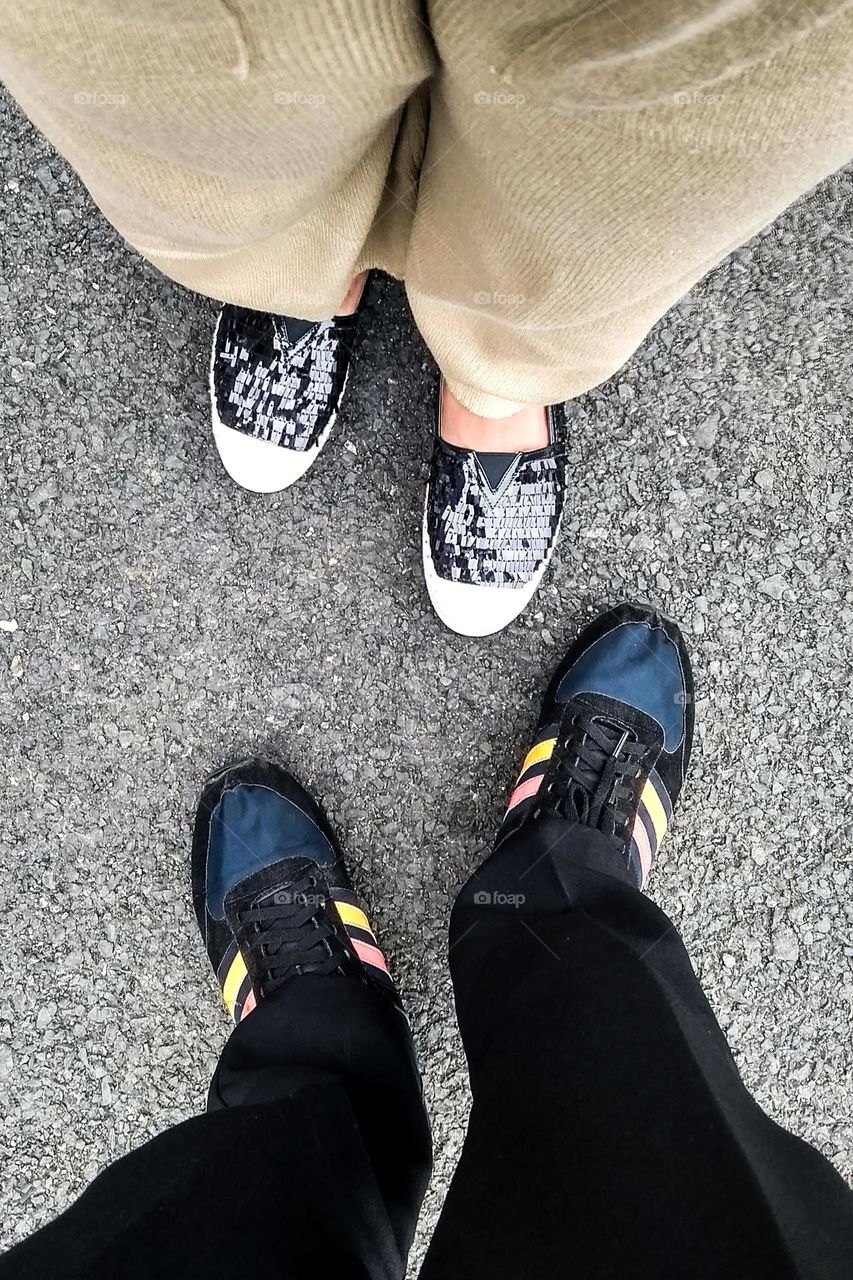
276, 384
491, 522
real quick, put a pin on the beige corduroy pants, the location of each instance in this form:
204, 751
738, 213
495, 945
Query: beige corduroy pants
547, 176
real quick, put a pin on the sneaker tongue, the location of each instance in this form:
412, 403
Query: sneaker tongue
618, 715
602, 758
299, 895
591, 769
278, 878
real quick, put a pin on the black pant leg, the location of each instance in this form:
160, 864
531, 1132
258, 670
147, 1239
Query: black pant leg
611, 1134
314, 1155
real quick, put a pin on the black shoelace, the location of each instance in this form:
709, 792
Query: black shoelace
596, 771
290, 932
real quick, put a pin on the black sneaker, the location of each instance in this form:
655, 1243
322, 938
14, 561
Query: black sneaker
276, 384
614, 737
491, 522
271, 893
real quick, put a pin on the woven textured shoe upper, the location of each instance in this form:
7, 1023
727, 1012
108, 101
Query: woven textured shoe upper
492, 519
279, 379
619, 711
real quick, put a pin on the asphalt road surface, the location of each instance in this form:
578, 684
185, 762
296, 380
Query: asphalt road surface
156, 621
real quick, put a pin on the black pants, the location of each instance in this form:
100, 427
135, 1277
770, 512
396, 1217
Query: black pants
610, 1136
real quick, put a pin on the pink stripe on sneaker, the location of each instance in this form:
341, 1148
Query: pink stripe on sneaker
641, 839
524, 790
248, 1005
369, 955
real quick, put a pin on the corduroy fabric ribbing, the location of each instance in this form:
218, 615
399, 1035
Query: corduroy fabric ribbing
246, 149
582, 174
548, 179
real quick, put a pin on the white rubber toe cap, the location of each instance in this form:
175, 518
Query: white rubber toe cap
476, 610
259, 465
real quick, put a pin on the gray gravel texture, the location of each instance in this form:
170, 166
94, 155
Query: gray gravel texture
166, 621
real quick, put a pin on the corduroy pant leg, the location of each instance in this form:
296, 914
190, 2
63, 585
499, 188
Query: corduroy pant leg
611, 1136
261, 152
587, 164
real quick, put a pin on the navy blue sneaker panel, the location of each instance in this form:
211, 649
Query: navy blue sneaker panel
638, 664
251, 827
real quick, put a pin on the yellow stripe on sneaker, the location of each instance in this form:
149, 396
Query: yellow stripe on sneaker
233, 982
352, 915
651, 800
542, 751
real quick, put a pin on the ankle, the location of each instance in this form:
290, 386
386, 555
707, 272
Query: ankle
522, 431
352, 297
